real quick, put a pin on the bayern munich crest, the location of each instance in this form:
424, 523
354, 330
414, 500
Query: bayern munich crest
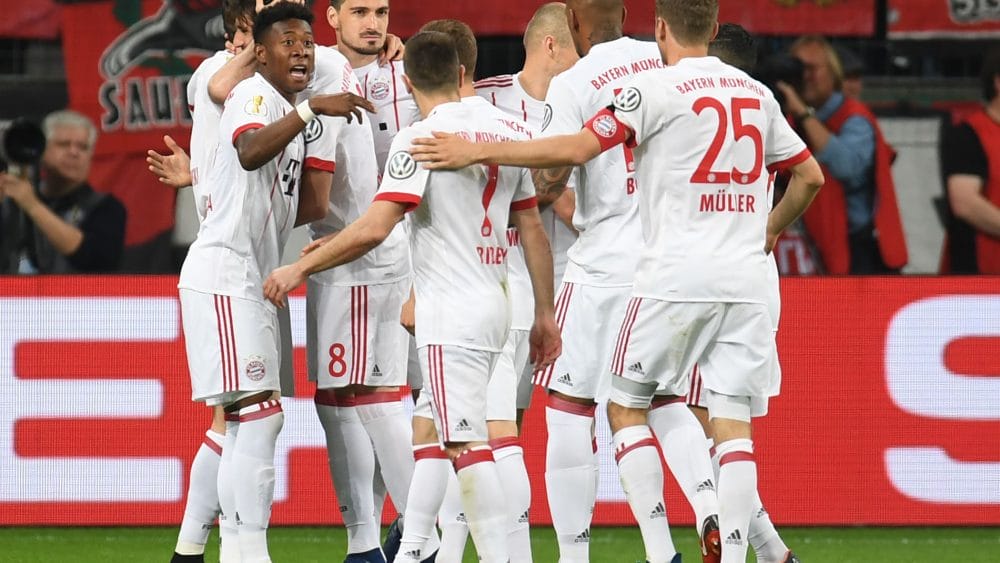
605, 126
256, 369
628, 99
379, 90
402, 166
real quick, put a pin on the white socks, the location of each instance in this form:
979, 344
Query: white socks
252, 475
642, 479
352, 467
202, 506
454, 527
682, 441
509, 457
229, 539
430, 480
390, 431
571, 476
737, 491
483, 500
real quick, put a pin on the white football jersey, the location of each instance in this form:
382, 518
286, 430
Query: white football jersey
248, 214
395, 109
205, 117
348, 151
706, 136
606, 188
458, 230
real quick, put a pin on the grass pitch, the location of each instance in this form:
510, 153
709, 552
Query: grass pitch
608, 545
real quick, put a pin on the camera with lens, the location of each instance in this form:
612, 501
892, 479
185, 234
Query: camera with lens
21, 146
781, 67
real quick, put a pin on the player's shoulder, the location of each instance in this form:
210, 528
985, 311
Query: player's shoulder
499, 82
212, 64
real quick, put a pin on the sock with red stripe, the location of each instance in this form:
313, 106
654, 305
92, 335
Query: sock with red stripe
642, 480
570, 470
202, 506
253, 463
451, 518
229, 535
509, 457
352, 467
737, 491
682, 441
430, 479
484, 503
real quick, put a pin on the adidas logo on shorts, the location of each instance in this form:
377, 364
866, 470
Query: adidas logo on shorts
658, 512
523, 518
461, 518
376, 372
583, 537
415, 554
637, 368
463, 426
705, 485
565, 379
734, 538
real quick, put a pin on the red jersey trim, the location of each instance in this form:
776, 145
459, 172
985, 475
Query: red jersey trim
410, 200
610, 132
523, 204
244, 128
320, 164
789, 162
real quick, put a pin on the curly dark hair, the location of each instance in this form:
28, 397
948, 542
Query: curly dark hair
279, 11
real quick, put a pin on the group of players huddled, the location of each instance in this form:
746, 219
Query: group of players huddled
652, 164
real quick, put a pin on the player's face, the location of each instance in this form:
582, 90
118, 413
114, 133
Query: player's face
361, 25
68, 153
818, 85
242, 37
285, 58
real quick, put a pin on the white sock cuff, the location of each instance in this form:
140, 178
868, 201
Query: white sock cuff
740, 449
255, 411
506, 447
631, 438
429, 451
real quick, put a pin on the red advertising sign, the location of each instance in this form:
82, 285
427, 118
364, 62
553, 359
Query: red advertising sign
888, 413
37, 19
798, 17
960, 19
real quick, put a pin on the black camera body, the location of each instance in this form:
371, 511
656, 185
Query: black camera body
781, 67
21, 144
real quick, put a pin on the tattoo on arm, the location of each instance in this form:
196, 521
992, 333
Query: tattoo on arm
550, 183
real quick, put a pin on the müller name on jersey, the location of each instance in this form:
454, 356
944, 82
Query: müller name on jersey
725, 202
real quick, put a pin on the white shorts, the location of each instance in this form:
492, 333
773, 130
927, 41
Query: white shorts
353, 335
660, 342
696, 396
501, 395
458, 378
588, 317
233, 346
414, 376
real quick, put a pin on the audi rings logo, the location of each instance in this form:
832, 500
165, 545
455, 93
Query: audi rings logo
402, 166
628, 99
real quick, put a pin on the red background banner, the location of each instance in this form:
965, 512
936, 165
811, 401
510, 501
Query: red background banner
888, 413
30, 19
920, 19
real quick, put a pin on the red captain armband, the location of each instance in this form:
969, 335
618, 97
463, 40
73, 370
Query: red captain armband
610, 132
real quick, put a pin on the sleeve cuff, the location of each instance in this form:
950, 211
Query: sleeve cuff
244, 128
524, 204
313, 163
411, 201
789, 162
608, 129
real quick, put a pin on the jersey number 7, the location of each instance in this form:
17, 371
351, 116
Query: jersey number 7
704, 174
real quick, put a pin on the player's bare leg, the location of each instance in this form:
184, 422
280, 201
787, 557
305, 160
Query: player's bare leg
685, 449
427, 491
254, 423
642, 478
571, 473
737, 482
202, 507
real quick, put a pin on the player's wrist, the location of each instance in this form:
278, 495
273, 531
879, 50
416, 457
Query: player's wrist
305, 111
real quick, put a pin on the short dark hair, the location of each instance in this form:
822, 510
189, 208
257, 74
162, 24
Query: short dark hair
463, 38
691, 21
235, 11
336, 4
431, 61
735, 46
989, 72
277, 12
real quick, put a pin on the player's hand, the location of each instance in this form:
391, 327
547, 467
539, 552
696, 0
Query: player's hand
545, 342
281, 282
344, 104
445, 151
172, 169
407, 316
393, 50
313, 245
793, 102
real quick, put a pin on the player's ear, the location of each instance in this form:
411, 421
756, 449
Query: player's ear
661, 30
258, 51
333, 18
550, 45
461, 76
715, 32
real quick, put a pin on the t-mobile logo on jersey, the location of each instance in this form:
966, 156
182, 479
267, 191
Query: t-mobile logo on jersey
938, 366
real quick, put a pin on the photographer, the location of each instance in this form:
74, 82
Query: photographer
64, 227
854, 221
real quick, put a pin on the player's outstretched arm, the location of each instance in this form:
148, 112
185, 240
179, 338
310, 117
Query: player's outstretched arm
352, 243
172, 169
446, 151
807, 179
545, 340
